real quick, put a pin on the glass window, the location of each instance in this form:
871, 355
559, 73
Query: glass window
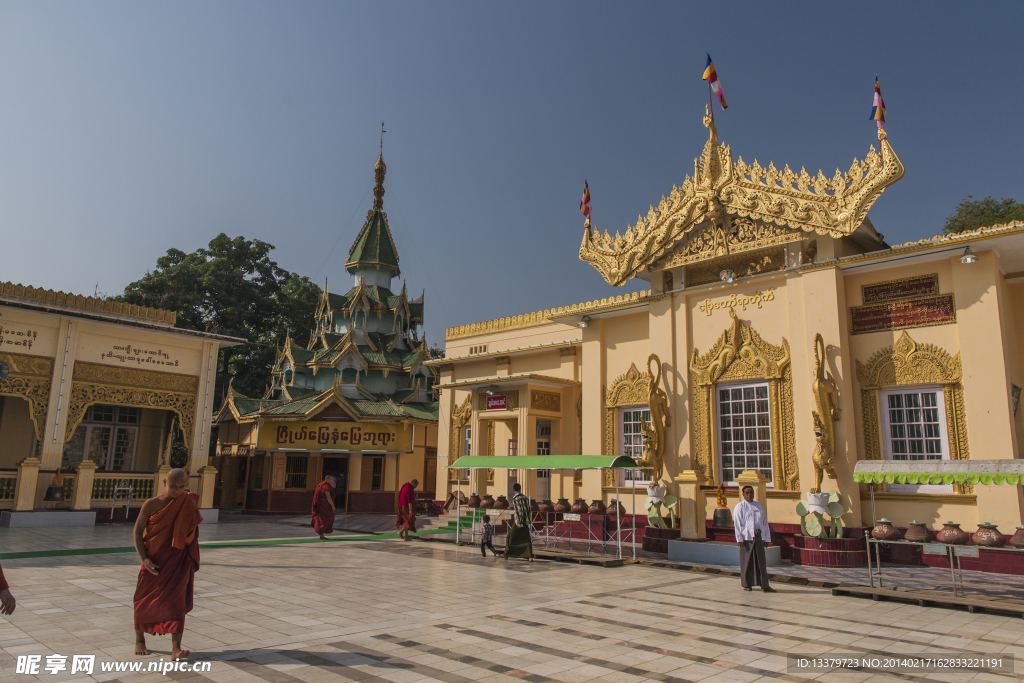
632, 441
377, 474
914, 429
295, 472
744, 430
97, 438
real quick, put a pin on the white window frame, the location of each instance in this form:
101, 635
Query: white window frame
631, 478
717, 409
883, 407
543, 440
89, 425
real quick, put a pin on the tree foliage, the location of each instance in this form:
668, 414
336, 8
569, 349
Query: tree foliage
232, 287
972, 214
435, 351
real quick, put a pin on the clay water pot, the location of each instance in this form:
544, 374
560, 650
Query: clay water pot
580, 506
988, 535
563, 505
598, 508
952, 534
885, 531
918, 532
474, 501
487, 501
1017, 540
534, 506
622, 508
546, 506
501, 503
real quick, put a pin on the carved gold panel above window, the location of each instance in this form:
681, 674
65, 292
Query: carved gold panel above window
550, 401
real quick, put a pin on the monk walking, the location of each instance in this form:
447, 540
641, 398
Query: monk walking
406, 521
7, 601
323, 508
167, 540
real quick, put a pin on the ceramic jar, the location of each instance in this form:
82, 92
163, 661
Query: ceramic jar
598, 508
1017, 540
580, 506
546, 506
988, 535
563, 505
534, 505
952, 534
885, 531
622, 508
501, 503
474, 501
487, 501
918, 532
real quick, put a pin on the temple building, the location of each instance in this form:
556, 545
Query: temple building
357, 400
781, 340
91, 391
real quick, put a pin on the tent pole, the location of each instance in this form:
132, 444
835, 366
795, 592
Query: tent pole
633, 503
618, 522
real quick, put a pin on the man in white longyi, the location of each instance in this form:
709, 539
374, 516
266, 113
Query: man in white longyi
752, 532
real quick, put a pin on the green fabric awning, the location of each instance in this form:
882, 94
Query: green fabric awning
987, 472
545, 462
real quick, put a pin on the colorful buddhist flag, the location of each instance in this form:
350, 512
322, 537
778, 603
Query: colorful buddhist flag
712, 78
585, 202
878, 107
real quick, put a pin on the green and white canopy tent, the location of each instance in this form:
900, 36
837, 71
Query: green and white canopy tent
987, 472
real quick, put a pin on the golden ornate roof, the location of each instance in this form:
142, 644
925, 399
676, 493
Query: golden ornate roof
812, 204
89, 303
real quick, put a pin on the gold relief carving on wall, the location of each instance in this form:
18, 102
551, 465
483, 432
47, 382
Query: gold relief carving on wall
579, 422
907, 363
812, 204
741, 355
745, 265
742, 235
512, 396
550, 401
460, 418
661, 419
132, 377
826, 400
490, 442
28, 365
29, 378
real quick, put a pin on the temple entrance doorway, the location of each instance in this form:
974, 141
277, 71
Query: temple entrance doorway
338, 468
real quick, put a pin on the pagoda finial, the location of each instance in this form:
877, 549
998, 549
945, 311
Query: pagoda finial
379, 170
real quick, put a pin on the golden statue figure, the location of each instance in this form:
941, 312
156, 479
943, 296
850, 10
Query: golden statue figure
826, 397
654, 432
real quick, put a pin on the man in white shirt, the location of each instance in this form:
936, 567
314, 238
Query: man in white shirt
751, 525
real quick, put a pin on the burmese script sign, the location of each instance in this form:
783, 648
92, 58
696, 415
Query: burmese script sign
923, 311
134, 355
904, 288
741, 300
11, 337
335, 436
499, 402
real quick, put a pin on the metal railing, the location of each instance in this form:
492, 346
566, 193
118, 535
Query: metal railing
8, 483
105, 482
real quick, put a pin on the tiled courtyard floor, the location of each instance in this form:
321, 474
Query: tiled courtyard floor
369, 610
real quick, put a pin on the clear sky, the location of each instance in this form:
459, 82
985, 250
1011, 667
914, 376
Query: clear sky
127, 128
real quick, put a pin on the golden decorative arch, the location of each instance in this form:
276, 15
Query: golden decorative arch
631, 389
460, 418
907, 363
740, 354
29, 378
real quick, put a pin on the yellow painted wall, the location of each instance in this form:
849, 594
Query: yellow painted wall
15, 432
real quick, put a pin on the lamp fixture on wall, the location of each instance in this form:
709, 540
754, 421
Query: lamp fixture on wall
969, 256
490, 389
585, 321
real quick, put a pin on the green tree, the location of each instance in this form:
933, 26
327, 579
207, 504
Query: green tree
972, 214
232, 287
435, 351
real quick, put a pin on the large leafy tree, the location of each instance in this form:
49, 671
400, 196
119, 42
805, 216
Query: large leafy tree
972, 214
232, 287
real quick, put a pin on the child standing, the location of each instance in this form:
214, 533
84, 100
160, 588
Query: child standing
486, 537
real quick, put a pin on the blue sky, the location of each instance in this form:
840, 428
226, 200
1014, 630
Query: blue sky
128, 128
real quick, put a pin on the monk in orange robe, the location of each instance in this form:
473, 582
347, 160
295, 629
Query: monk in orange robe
323, 507
167, 540
7, 601
406, 521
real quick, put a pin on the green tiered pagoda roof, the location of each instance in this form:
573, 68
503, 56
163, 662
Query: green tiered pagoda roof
365, 355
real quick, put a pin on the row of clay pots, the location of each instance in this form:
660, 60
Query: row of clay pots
987, 534
562, 506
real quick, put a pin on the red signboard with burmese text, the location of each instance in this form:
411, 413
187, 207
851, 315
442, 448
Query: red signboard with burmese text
498, 402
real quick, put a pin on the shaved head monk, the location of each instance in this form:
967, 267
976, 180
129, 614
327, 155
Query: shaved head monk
323, 507
167, 540
406, 521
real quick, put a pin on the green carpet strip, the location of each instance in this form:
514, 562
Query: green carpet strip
221, 544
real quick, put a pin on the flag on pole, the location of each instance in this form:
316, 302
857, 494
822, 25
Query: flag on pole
712, 78
878, 107
585, 202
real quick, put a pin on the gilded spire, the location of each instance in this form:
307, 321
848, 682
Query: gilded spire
378, 191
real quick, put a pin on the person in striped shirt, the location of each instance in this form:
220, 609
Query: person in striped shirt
518, 543
487, 537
